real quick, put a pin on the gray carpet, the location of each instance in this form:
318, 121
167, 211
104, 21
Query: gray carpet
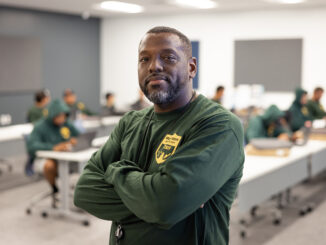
16, 177
18, 228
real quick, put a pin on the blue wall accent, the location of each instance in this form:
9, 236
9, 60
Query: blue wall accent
195, 53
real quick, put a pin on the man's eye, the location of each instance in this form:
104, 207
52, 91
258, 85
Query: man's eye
143, 59
170, 58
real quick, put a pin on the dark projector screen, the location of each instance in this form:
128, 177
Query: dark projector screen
20, 64
276, 63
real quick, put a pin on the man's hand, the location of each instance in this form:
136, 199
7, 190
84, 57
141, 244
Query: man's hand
64, 146
308, 124
202, 206
283, 136
297, 135
73, 141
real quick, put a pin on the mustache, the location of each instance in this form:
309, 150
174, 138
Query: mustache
157, 76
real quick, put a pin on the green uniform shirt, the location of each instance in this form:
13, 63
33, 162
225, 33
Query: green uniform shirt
266, 125
189, 157
217, 101
46, 134
299, 113
316, 109
79, 106
35, 113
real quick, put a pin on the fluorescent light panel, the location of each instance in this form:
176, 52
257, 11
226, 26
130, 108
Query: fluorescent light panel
286, 1
201, 4
120, 7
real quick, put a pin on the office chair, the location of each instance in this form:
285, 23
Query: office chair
29, 171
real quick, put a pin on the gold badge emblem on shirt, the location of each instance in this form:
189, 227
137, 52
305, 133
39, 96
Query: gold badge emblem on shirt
65, 133
304, 111
45, 112
167, 147
81, 106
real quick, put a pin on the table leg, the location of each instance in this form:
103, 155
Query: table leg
64, 189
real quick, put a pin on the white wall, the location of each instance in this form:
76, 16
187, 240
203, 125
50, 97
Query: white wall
216, 33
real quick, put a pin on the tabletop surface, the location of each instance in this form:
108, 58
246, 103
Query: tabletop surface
78, 156
15, 131
255, 166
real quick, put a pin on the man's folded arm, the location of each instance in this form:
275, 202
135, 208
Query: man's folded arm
92, 192
189, 178
96, 196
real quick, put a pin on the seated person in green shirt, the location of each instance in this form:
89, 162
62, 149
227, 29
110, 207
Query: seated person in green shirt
271, 124
140, 103
53, 132
75, 107
314, 106
168, 173
218, 95
298, 112
109, 108
39, 110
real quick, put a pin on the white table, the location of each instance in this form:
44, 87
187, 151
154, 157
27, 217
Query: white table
91, 124
111, 120
64, 158
317, 162
103, 126
264, 177
12, 141
15, 132
99, 142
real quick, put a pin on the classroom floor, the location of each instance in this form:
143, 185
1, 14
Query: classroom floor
18, 228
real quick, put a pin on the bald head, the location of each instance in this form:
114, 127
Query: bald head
186, 44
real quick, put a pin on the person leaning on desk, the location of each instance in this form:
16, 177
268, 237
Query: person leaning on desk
54, 132
168, 174
271, 124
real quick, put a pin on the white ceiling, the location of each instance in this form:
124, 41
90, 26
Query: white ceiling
152, 7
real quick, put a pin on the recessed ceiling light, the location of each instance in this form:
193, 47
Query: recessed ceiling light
119, 7
286, 1
201, 4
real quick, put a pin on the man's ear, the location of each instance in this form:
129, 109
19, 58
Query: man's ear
192, 67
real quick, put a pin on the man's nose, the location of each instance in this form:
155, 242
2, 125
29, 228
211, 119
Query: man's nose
156, 66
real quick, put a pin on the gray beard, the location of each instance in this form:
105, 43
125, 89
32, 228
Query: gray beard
162, 97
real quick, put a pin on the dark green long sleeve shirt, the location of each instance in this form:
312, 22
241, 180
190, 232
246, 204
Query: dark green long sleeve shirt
35, 113
46, 134
154, 190
298, 113
266, 125
316, 109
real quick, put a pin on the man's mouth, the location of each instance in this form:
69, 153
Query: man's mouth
156, 80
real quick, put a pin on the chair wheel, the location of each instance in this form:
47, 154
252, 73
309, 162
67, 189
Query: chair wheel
242, 221
44, 214
277, 221
243, 234
303, 211
28, 211
253, 211
85, 223
310, 208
